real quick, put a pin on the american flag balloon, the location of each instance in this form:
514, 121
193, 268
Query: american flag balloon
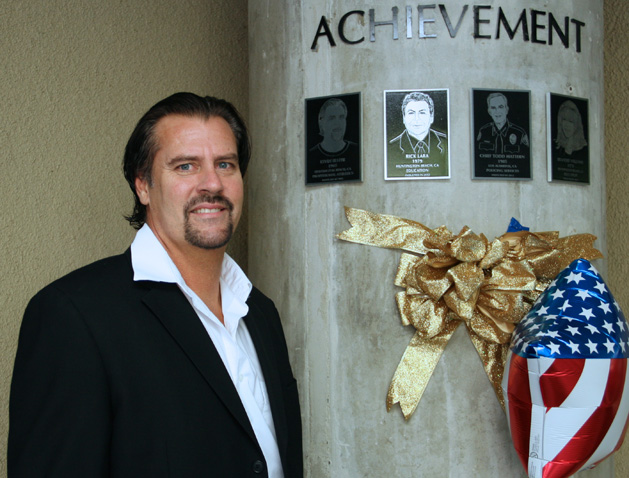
566, 378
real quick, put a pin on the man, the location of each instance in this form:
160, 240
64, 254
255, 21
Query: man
333, 151
501, 136
419, 150
139, 365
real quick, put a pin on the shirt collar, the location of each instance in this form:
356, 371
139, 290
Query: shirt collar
418, 143
151, 262
503, 130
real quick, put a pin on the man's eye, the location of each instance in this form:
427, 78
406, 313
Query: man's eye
185, 167
225, 165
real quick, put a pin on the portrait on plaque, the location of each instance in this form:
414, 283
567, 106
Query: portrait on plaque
416, 127
333, 144
568, 148
501, 139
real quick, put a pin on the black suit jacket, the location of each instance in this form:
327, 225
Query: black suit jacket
119, 378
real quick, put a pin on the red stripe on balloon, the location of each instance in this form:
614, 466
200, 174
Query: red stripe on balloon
578, 451
519, 395
559, 380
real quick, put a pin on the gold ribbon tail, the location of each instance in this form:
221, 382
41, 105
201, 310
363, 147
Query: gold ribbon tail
494, 357
390, 232
416, 368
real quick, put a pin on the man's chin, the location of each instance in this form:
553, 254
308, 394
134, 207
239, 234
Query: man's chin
208, 244
419, 135
207, 240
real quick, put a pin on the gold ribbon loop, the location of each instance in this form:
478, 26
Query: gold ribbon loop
433, 281
467, 278
468, 247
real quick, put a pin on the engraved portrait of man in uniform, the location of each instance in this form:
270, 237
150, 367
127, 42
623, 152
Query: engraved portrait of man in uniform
501, 134
420, 150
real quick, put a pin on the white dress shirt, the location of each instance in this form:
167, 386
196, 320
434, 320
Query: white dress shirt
232, 341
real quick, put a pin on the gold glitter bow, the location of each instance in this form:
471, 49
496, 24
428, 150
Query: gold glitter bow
450, 279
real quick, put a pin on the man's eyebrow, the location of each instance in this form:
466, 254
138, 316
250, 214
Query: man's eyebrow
180, 159
227, 156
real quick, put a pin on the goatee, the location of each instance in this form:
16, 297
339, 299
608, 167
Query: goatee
208, 239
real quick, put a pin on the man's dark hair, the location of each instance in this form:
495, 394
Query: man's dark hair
142, 145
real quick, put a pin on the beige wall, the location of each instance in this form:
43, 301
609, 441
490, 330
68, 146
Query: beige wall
75, 76
616, 157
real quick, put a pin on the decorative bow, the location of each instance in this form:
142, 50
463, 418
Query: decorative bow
452, 279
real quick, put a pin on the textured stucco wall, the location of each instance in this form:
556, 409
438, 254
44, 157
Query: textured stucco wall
616, 147
76, 76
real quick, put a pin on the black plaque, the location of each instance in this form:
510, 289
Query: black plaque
333, 146
416, 141
501, 138
568, 141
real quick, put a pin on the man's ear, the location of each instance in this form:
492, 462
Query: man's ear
142, 190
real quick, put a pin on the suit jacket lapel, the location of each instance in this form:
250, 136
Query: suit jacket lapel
264, 345
170, 306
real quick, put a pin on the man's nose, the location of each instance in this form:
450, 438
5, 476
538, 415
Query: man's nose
210, 180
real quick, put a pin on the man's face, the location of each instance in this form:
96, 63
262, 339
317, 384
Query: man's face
196, 194
418, 118
498, 110
333, 123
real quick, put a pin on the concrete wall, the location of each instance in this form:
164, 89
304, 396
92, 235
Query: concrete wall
616, 148
76, 76
337, 299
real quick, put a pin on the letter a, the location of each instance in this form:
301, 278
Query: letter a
323, 24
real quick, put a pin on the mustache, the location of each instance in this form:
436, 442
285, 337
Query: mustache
214, 199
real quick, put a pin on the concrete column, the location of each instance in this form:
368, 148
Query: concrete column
337, 299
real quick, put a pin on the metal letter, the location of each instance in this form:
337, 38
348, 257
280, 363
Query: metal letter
342, 27
564, 35
323, 24
422, 21
478, 20
578, 25
536, 26
502, 20
446, 18
373, 24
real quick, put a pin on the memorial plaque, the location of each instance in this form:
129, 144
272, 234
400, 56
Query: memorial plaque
568, 140
501, 134
416, 142
333, 144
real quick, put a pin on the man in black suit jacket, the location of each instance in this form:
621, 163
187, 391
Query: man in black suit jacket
163, 361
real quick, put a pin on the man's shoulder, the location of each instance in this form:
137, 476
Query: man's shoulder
315, 149
99, 275
438, 134
486, 127
259, 299
515, 127
96, 287
398, 138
